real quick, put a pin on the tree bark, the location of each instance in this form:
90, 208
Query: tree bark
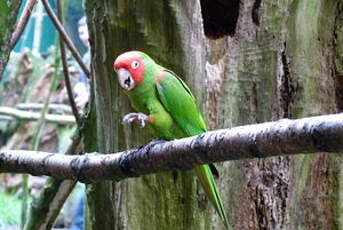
279, 61
284, 137
9, 11
279, 64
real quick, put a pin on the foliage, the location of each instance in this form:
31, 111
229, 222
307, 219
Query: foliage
28, 80
10, 207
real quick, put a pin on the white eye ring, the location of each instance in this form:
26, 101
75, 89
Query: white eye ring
134, 64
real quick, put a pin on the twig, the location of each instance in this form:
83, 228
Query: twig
284, 137
22, 22
32, 116
66, 38
39, 106
47, 206
37, 136
65, 69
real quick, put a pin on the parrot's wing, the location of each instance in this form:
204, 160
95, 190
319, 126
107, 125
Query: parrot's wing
178, 100
180, 103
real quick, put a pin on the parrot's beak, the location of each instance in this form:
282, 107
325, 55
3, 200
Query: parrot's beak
125, 79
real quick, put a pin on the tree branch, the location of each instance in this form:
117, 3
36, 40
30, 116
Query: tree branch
46, 207
22, 22
39, 106
65, 68
284, 137
66, 38
32, 116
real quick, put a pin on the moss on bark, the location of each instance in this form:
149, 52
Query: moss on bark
175, 197
279, 63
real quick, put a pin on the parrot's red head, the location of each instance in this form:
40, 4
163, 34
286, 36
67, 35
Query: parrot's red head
130, 69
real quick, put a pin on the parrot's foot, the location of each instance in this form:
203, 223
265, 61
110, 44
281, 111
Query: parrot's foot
151, 144
129, 118
154, 142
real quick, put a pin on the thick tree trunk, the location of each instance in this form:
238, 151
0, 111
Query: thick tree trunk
280, 60
175, 196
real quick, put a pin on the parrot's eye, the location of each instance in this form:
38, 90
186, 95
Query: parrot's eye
134, 64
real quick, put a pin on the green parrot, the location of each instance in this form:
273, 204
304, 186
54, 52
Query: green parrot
165, 102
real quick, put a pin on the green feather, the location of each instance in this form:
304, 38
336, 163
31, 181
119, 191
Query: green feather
165, 97
209, 185
178, 100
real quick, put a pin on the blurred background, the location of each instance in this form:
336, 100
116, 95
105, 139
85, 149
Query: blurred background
32, 85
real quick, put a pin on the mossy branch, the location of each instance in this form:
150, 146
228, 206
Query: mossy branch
283, 137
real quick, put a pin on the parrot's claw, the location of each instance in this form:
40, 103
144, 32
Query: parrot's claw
129, 118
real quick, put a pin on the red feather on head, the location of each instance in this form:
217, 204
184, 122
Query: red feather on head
126, 60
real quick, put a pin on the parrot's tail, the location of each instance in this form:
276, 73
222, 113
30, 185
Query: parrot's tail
209, 185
